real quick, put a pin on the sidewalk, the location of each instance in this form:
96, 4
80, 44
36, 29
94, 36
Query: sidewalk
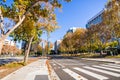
34, 71
112, 60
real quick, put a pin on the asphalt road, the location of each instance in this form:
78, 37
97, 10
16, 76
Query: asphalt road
78, 69
6, 60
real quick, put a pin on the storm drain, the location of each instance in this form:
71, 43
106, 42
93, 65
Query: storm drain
41, 77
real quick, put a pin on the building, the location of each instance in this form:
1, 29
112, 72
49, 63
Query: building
95, 20
57, 45
9, 42
57, 42
72, 30
23, 45
43, 43
98, 18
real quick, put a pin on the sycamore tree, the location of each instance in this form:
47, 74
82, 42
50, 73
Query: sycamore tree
91, 37
62, 48
48, 47
79, 39
39, 50
98, 35
22, 8
94, 37
68, 42
111, 18
34, 46
73, 41
12, 50
30, 31
64, 45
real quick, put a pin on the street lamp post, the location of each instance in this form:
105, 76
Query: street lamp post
48, 43
42, 48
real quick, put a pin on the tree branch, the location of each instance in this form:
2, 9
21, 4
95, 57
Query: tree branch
36, 2
14, 27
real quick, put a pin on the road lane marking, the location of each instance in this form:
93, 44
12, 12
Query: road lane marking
59, 64
113, 66
54, 64
74, 61
103, 71
107, 68
74, 75
72, 64
100, 77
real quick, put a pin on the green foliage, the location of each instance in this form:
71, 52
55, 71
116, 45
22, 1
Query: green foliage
4, 0
26, 31
88, 55
117, 56
73, 41
33, 10
112, 44
13, 65
111, 18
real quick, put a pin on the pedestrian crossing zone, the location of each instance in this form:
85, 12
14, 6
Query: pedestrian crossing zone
107, 71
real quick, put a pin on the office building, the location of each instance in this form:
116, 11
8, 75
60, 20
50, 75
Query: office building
95, 20
57, 45
98, 18
72, 30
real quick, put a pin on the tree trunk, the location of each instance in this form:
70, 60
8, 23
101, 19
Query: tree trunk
1, 45
1, 22
27, 50
101, 52
5, 35
16, 25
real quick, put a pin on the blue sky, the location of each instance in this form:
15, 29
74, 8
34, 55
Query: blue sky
75, 14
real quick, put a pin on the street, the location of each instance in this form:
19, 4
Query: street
6, 60
80, 69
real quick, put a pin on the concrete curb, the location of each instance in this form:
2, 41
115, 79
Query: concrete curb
52, 73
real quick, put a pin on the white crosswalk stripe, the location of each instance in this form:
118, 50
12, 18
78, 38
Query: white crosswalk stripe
74, 75
113, 66
107, 68
97, 76
106, 71
103, 71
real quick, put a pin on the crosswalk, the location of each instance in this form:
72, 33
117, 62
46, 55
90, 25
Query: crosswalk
98, 72
104, 71
74, 75
117, 70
